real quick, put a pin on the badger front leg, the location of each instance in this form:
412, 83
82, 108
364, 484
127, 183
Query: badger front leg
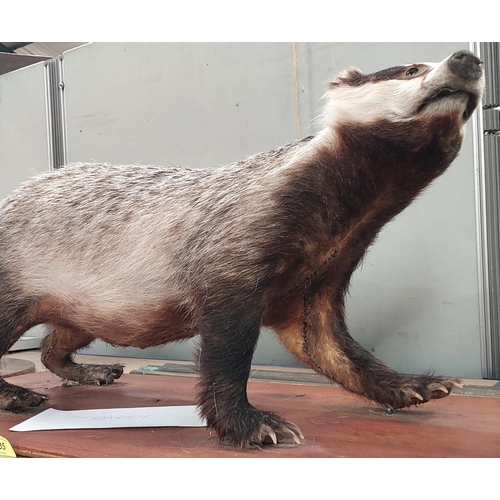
320, 338
228, 341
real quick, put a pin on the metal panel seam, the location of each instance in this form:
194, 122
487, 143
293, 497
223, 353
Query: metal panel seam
56, 112
487, 190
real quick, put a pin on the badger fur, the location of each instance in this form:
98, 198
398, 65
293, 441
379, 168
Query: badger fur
145, 255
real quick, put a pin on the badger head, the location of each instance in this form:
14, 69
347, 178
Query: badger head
451, 88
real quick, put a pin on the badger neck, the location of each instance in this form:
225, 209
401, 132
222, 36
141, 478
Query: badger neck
354, 180
384, 165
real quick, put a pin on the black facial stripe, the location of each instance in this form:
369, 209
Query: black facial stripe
393, 73
355, 78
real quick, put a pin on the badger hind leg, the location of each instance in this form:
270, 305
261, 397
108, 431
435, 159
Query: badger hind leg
57, 355
14, 322
228, 341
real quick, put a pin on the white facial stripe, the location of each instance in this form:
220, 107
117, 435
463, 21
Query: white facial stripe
391, 100
396, 100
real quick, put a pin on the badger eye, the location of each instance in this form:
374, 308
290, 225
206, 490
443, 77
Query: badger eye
412, 71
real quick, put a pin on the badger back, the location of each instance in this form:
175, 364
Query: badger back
117, 237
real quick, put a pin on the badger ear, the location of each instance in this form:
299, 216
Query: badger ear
349, 76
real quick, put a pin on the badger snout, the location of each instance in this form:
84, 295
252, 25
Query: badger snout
465, 65
457, 83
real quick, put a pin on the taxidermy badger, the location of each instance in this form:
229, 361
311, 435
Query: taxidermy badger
145, 255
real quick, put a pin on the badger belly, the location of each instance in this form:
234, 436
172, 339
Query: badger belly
123, 302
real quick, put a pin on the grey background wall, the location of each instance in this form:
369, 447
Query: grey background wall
414, 302
23, 130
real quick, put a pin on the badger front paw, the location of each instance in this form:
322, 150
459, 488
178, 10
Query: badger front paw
421, 389
248, 427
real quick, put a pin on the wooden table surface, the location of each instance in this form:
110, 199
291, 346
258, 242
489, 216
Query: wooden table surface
335, 423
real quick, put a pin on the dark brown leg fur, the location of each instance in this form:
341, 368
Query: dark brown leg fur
14, 321
57, 349
225, 358
320, 339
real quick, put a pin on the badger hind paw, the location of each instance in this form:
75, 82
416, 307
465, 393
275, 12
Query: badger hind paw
16, 399
88, 374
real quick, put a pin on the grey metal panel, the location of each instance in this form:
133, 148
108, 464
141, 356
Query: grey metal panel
414, 302
185, 103
23, 138
487, 156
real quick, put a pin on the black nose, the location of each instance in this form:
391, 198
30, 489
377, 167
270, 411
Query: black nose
465, 65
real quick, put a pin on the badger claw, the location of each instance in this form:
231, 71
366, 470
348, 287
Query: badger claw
266, 430
438, 387
271, 431
295, 432
294, 436
415, 395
